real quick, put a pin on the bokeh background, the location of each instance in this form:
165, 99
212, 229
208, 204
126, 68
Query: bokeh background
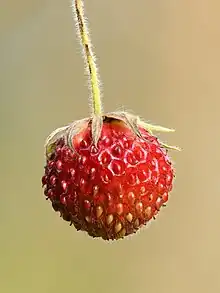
159, 59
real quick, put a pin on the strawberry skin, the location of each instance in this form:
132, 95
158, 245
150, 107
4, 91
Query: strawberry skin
112, 189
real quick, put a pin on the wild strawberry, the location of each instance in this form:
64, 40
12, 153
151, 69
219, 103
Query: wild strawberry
107, 175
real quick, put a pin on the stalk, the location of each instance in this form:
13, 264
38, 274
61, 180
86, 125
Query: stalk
89, 56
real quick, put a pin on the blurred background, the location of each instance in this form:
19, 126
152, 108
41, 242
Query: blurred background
159, 59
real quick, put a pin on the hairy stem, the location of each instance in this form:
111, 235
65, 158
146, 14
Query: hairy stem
82, 29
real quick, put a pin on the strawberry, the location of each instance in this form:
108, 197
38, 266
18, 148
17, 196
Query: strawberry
107, 174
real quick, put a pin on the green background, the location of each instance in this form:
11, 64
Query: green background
159, 59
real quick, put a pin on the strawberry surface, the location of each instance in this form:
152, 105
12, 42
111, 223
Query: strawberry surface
112, 189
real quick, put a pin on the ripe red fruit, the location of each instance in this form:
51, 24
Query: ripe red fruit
108, 174
113, 189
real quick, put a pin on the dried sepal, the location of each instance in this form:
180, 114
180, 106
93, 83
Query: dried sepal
75, 129
129, 119
170, 147
132, 121
96, 127
53, 137
152, 128
115, 115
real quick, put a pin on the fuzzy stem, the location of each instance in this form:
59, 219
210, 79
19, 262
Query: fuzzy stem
82, 29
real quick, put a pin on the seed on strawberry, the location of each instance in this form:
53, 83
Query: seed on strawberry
107, 175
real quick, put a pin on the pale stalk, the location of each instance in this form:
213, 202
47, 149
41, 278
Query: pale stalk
83, 32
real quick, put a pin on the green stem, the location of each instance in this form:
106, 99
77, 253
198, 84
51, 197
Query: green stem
78, 10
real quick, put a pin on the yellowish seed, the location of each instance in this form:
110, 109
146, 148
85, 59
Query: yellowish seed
131, 197
119, 208
139, 207
95, 190
122, 233
151, 197
136, 223
147, 212
109, 219
118, 227
143, 189
158, 203
129, 217
88, 219
99, 211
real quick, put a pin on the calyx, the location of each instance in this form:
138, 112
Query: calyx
133, 122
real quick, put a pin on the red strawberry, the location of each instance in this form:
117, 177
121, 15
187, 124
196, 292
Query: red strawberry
110, 190
107, 175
